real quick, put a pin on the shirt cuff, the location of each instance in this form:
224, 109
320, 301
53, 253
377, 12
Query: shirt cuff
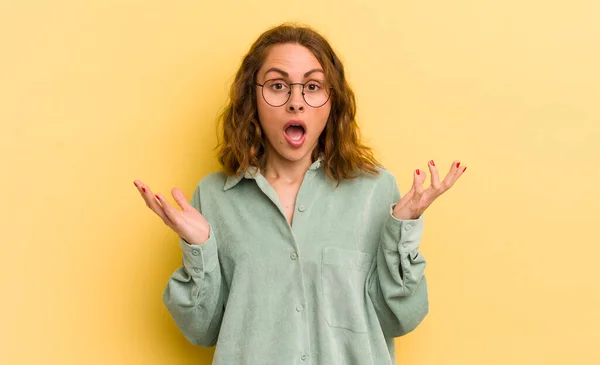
199, 259
402, 235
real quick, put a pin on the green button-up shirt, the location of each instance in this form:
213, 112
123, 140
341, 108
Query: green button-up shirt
333, 288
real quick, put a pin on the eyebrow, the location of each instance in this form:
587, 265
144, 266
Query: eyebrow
285, 74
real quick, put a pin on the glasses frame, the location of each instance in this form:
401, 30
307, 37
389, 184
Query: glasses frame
290, 92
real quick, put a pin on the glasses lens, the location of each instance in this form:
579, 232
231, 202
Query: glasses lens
276, 92
316, 92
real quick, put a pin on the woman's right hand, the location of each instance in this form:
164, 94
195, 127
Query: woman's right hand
188, 223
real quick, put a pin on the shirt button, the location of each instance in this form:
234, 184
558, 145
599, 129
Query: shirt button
195, 252
407, 227
293, 256
299, 307
301, 208
196, 269
304, 357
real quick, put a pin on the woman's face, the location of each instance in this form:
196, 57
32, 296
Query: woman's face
293, 129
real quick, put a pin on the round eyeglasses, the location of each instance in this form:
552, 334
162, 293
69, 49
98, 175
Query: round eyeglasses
277, 92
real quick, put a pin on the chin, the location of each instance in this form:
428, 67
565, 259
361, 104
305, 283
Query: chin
294, 155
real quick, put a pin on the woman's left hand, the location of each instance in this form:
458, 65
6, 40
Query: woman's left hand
414, 203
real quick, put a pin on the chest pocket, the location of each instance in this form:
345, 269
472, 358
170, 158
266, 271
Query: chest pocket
343, 276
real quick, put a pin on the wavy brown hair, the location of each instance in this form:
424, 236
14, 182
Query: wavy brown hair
242, 143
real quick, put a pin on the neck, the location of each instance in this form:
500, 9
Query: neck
278, 168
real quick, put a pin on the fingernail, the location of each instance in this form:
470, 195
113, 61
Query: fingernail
432, 163
465, 169
457, 164
418, 172
156, 195
144, 190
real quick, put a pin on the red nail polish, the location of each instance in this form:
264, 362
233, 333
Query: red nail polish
432, 163
418, 172
465, 169
156, 195
144, 190
457, 164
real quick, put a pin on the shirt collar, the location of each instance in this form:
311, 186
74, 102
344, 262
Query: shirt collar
252, 171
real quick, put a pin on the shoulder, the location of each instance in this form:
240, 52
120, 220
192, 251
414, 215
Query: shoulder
383, 178
374, 189
211, 183
214, 179
385, 175
383, 182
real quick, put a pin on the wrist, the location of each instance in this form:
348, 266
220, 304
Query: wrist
195, 241
404, 215
199, 237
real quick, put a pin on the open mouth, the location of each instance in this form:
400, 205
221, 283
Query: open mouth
295, 133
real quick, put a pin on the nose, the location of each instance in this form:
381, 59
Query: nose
296, 102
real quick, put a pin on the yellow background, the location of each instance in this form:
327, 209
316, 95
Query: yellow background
95, 94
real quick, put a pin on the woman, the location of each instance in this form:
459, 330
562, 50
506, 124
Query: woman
300, 251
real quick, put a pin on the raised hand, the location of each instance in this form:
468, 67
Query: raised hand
188, 223
414, 203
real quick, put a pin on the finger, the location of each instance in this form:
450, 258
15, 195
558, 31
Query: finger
410, 193
180, 199
452, 175
406, 197
153, 203
461, 170
171, 213
419, 179
458, 171
435, 178
140, 186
